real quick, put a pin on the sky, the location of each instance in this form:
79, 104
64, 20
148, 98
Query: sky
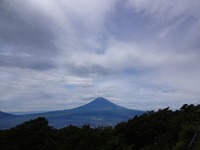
60, 54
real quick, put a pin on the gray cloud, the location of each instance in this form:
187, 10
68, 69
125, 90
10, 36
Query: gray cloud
26, 37
55, 53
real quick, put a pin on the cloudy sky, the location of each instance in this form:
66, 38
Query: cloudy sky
59, 54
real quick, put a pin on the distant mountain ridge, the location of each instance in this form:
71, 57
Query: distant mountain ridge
5, 115
99, 112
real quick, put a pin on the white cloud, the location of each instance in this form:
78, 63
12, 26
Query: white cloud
60, 53
166, 10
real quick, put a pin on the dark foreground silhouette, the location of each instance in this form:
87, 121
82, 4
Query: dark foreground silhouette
161, 130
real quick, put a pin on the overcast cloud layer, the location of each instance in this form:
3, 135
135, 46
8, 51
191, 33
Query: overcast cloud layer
59, 54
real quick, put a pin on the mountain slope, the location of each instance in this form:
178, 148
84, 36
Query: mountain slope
100, 104
5, 115
103, 106
99, 112
7, 120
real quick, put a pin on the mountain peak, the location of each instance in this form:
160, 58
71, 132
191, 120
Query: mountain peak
101, 99
99, 103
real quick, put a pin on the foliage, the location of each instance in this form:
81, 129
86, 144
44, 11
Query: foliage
164, 129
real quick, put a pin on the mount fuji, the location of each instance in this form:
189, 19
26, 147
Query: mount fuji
99, 112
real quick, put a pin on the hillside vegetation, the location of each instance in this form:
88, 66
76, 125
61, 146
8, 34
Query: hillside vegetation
161, 130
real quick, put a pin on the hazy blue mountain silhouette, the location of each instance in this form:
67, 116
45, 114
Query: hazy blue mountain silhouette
7, 120
100, 104
5, 115
99, 112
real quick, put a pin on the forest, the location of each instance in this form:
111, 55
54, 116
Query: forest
164, 129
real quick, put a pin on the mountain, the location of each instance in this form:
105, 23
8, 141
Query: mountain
100, 104
7, 120
99, 112
103, 106
4, 115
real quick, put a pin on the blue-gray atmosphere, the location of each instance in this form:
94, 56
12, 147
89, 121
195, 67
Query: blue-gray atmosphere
61, 54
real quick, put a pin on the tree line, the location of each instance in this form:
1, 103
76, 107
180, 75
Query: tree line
161, 130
